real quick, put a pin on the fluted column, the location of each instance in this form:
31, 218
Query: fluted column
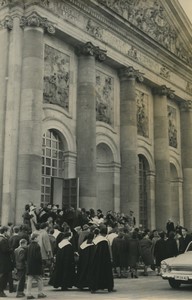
129, 181
6, 25
162, 159
86, 124
186, 151
30, 134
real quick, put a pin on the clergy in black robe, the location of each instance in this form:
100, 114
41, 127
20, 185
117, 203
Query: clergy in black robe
64, 272
101, 276
86, 253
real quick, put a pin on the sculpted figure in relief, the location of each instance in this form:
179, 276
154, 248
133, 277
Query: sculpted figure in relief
56, 77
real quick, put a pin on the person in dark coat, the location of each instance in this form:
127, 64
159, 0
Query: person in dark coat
20, 255
101, 276
170, 226
34, 267
184, 240
86, 253
160, 251
134, 253
64, 272
171, 245
146, 252
6, 264
119, 254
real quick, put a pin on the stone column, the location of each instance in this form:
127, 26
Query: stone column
162, 160
86, 124
6, 24
12, 119
129, 181
186, 151
30, 133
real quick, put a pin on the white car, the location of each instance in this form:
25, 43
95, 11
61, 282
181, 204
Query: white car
178, 270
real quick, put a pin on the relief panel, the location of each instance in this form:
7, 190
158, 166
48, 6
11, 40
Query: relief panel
56, 77
142, 114
172, 126
104, 97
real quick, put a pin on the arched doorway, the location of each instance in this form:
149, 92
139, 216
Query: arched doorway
174, 194
143, 188
52, 162
105, 178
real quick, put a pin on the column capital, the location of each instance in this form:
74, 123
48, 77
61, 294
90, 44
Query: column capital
186, 105
130, 73
35, 20
88, 49
6, 23
163, 91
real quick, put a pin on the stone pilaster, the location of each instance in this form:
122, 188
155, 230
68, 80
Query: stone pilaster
186, 150
86, 124
12, 120
151, 199
129, 181
30, 134
6, 24
161, 153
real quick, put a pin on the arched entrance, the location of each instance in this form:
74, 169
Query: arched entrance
143, 192
52, 162
105, 178
174, 194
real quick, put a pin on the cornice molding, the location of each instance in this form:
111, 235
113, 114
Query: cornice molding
88, 49
35, 20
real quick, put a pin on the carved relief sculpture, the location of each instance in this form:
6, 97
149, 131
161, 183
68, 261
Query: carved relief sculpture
142, 114
132, 52
94, 29
189, 87
164, 72
150, 17
6, 23
172, 126
56, 77
104, 97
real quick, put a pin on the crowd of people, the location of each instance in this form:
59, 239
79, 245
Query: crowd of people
81, 248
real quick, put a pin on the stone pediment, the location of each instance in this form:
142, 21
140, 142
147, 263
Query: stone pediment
151, 17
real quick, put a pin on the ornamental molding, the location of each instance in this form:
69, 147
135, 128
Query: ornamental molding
164, 91
164, 72
88, 49
151, 18
35, 20
189, 88
6, 23
130, 73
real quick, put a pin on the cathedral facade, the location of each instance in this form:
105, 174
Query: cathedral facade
98, 90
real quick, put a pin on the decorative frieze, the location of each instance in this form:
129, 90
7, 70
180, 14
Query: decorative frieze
163, 91
6, 23
89, 49
94, 29
56, 77
3, 2
130, 73
104, 97
150, 17
172, 126
142, 114
164, 72
35, 20
132, 52
189, 87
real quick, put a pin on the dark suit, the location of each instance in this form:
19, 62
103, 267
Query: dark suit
183, 243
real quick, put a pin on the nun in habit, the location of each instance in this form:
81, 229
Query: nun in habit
64, 272
86, 253
101, 276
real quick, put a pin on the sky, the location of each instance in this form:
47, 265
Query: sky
187, 6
